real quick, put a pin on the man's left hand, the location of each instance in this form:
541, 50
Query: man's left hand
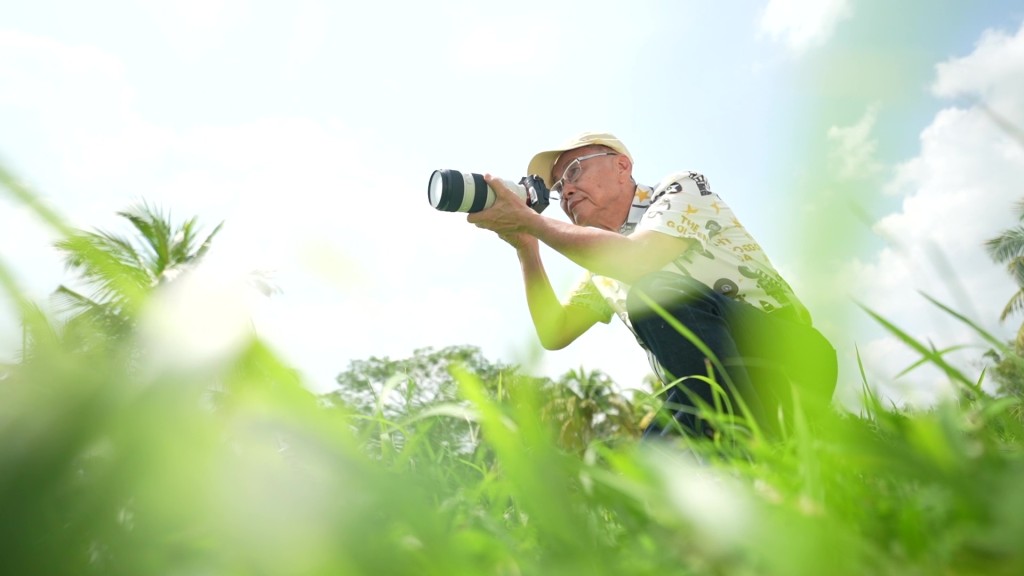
508, 215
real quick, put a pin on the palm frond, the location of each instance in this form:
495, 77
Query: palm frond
69, 301
1009, 245
1016, 304
104, 263
121, 263
182, 246
118, 271
86, 314
155, 230
84, 251
122, 248
1016, 269
205, 246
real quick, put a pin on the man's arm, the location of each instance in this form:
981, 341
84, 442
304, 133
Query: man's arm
557, 325
624, 258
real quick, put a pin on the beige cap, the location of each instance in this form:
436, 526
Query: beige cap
543, 162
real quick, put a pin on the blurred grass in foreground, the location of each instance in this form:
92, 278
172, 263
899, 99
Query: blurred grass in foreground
114, 463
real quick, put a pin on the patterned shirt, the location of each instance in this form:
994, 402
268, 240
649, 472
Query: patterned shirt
724, 257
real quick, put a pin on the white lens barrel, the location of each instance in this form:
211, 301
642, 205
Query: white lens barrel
453, 191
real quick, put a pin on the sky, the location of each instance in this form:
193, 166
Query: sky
850, 137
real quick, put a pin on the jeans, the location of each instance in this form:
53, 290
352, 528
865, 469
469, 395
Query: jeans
766, 355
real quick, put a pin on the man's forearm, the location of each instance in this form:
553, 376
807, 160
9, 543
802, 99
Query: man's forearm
554, 325
600, 251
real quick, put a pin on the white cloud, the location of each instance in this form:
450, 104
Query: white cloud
853, 155
75, 98
957, 193
993, 74
803, 24
365, 266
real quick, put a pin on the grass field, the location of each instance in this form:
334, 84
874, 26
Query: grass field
112, 462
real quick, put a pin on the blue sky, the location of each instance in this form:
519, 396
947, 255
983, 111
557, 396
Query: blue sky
312, 127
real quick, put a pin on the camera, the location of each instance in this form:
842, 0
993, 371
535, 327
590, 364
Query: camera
452, 191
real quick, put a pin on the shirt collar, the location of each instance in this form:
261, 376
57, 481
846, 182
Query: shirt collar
641, 202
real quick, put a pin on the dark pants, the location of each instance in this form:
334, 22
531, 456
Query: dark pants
771, 360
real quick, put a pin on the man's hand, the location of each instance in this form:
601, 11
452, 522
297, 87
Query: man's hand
625, 258
507, 216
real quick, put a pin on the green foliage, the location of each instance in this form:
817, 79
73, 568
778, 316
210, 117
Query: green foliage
390, 401
111, 464
1008, 248
1008, 373
120, 271
587, 407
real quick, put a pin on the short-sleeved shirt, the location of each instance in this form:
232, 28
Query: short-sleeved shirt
724, 257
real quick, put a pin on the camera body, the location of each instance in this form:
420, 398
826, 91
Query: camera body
453, 191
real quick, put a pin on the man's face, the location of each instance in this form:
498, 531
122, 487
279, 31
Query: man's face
596, 196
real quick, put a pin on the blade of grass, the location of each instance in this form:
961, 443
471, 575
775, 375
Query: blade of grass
956, 375
981, 331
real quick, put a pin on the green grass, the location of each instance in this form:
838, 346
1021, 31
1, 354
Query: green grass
110, 465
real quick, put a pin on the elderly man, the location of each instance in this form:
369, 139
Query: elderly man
678, 268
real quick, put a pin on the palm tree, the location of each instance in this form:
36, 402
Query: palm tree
121, 270
585, 406
1008, 248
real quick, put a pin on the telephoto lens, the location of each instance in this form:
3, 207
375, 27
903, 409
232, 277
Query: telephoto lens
453, 191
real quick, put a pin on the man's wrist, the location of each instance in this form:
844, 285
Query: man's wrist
534, 224
528, 248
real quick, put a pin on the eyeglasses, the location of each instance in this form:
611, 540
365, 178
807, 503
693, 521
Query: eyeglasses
574, 170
